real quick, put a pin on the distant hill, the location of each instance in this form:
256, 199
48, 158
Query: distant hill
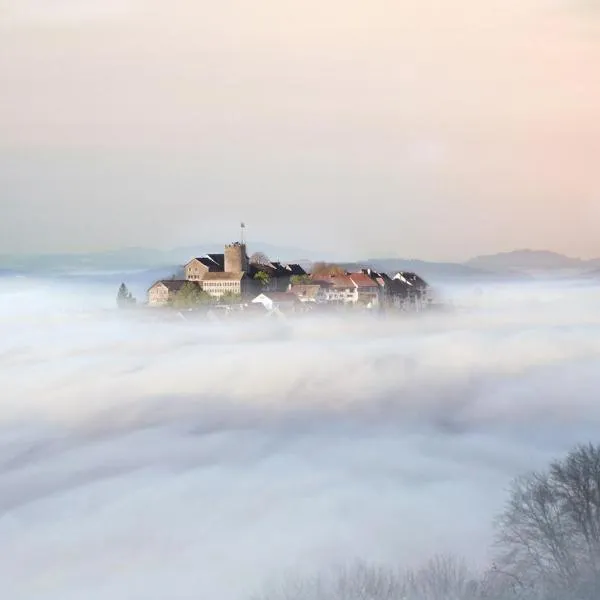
435, 271
138, 258
530, 260
143, 263
519, 265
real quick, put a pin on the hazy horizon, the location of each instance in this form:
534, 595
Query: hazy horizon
261, 246
435, 130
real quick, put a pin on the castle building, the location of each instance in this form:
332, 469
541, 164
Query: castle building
221, 274
198, 267
222, 283
230, 273
236, 259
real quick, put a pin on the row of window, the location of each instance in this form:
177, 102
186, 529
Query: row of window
221, 284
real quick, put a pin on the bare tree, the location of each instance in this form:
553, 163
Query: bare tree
549, 532
260, 259
358, 581
443, 578
323, 269
498, 584
548, 545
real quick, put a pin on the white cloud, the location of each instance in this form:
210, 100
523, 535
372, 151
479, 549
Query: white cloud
142, 459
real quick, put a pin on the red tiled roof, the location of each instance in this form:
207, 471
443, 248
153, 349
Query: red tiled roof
336, 281
362, 280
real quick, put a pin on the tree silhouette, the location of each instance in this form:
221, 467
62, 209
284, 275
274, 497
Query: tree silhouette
300, 279
230, 298
323, 269
124, 297
263, 278
260, 259
191, 295
442, 578
549, 532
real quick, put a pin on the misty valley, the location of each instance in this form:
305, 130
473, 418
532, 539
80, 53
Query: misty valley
338, 457
299, 300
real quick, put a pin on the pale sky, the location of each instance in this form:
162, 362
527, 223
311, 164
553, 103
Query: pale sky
416, 128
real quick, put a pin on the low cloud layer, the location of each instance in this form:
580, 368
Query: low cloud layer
147, 459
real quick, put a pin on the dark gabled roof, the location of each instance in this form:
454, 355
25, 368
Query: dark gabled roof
412, 279
296, 269
214, 262
419, 281
279, 269
398, 287
217, 258
285, 270
276, 269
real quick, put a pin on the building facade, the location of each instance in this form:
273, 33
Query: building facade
232, 274
221, 284
338, 289
163, 292
236, 258
200, 266
309, 292
368, 291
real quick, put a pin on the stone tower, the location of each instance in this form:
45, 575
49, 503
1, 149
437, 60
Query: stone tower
236, 259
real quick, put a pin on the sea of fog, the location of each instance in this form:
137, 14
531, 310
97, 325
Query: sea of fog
144, 458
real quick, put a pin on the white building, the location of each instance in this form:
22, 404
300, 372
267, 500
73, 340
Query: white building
277, 300
338, 289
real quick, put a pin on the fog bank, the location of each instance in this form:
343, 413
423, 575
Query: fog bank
147, 459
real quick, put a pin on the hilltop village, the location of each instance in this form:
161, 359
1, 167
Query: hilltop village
234, 281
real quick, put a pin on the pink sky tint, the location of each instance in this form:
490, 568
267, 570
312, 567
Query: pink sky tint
475, 125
